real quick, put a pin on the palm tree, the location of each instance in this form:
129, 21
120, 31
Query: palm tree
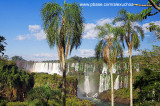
109, 48
63, 27
131, 36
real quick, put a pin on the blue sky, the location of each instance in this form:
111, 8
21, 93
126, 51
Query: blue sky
21, 25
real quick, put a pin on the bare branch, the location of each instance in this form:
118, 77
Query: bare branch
154, 5
142, 5
153, 13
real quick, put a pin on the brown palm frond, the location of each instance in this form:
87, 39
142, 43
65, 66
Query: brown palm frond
59, 54
67, 48
105, 55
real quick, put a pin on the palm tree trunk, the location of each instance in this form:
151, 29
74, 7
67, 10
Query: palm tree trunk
64, 78
112, 96
130, 64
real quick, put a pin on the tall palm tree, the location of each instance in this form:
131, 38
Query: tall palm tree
109, 48
131, 36
63, 27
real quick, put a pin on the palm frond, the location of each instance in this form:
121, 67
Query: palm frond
136, 41
99, 49
140, 31
51, 20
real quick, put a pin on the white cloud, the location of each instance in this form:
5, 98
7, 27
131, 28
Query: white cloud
35, 32
144, 26
90, 32
40, 35
41, 57
86, 53
23, 37
34, 28
118, 24
126, 54
104, 21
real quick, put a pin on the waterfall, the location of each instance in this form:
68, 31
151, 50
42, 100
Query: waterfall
114, 69
101, 83
43, 67
76, 65
104, 83
116, 83
86, 85
105, 69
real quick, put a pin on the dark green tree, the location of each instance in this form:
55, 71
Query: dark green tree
130, 37
63, 27
17, 58
148, 85
2, 45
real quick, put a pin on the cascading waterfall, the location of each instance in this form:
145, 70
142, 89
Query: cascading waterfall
43, 67
116, 83
104, 83
86, 85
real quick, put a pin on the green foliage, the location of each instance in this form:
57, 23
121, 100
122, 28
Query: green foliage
151, 58
77, 102
146, 12
155, 29
16, 104
125, 93
55, 82
44, 94
121, 94
72, 101
63, 24
17, 58
2, 44
76, 59
104, 36
11, 76
131, 33
3, 102
150, 11
148, 85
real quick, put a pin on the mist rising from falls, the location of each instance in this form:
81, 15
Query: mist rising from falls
86, 85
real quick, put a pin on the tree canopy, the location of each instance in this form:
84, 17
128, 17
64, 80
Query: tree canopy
2, 44
150, 11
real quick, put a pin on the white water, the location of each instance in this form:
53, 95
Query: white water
116, 83
104, 82
49, 68
86, 85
